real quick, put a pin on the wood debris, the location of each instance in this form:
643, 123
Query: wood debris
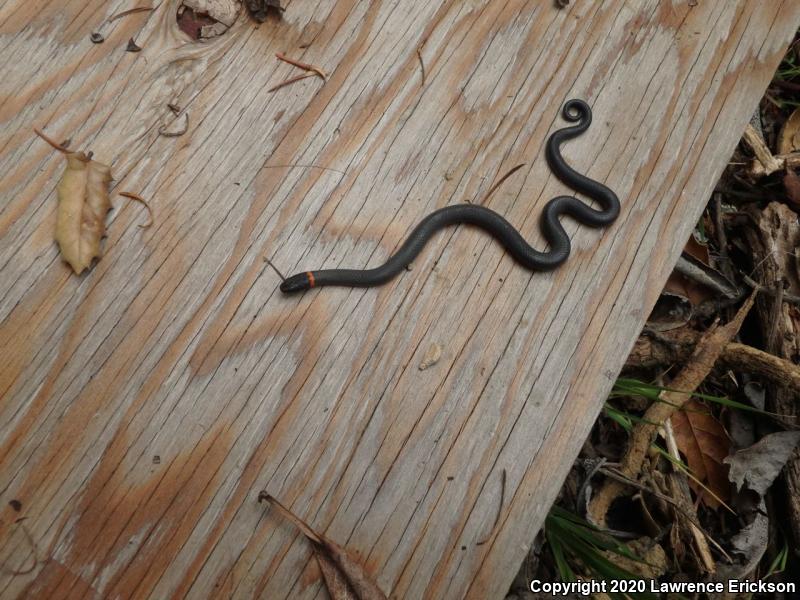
311, 71
344, 577
706, 353
765, 163
290, 81
302, 65
431, 357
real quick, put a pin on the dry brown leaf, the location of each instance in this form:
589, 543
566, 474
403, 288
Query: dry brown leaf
705, 444
83, 202
789, 138
344, 577
335, 582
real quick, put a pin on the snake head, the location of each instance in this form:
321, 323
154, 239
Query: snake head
297, 283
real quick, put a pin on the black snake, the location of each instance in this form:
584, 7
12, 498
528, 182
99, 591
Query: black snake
575, 111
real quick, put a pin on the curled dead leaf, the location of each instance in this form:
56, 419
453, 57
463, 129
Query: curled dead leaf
704, 442
83, 202
344, 577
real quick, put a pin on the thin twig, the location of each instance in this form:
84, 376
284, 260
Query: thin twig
138, 198
163, 129
130, 11
500, 181
50, 141
499, 507
302, 65
421, 65
290, 81
790, 298
274, 268
722, 238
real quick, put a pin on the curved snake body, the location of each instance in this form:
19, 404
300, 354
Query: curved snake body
575, 111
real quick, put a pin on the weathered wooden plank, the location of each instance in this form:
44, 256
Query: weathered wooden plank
178, 346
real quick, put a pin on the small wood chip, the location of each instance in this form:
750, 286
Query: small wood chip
132, 47
97, 38
767, 161
431, 357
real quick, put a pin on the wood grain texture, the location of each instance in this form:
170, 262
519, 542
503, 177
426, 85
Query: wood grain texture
177, 344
